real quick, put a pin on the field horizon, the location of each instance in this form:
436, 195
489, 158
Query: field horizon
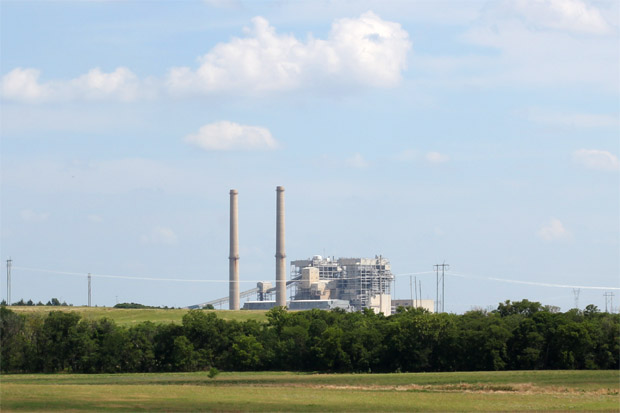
131, 316
286, 391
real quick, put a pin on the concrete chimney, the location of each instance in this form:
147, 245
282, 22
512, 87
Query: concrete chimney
233, 258
280, 249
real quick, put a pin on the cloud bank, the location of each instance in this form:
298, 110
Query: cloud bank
359, 52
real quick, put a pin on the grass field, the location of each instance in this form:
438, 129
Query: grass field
126, 317
274, 391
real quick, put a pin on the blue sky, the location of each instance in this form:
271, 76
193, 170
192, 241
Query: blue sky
482, 134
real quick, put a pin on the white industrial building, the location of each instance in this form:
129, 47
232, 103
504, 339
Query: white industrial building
362, 282
428, 305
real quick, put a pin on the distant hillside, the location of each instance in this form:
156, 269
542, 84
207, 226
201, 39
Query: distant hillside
124, 316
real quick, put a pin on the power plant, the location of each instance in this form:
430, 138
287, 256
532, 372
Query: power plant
352, 284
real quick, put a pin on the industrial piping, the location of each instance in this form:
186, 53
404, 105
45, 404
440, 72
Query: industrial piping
233, 258
280, 249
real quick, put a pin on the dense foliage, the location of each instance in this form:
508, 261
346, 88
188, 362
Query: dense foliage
519, 335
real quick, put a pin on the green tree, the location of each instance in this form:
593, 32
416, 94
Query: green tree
246, 353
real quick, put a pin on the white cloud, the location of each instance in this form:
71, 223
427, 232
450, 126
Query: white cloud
362, 51
571, 15
357, 161
160, 235
226, 136
596, 159
29, 215
436, 157
554, 230
121, 84
23, 85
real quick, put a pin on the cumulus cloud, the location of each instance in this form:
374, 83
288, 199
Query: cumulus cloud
160, 235
367, 50
23, 85
571, 15
554, 230
29, 215
357, 161
436, 157
596, 159
226, 136
363, 51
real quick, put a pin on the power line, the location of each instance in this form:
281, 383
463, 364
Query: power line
440, 304
539, 284
449, 273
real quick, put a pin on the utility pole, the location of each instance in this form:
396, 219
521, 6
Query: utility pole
440, 305
609, 298
415, 290
9, 262
89, 278
411, 289
576, 292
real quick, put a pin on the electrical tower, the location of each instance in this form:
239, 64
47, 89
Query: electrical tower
576, 292
609, 299
89, 278
8, 281
439, 304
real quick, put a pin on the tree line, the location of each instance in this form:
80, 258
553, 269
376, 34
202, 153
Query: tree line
54, 302
517, 335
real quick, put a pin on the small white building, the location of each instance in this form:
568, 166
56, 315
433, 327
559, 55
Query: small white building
428, 305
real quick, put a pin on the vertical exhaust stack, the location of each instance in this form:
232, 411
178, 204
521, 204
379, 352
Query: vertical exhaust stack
233, 258
280, 249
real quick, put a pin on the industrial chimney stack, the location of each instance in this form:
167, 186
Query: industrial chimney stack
280, 250
233, 258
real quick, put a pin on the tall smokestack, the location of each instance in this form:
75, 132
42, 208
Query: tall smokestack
280, 249
233, 258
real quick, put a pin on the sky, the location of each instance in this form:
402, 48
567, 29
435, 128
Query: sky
481, 134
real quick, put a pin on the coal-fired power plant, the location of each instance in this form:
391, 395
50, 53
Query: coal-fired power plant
233, 257
351, 284
280, 249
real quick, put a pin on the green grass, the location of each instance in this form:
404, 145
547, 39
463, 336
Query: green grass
127, 317
283, 391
